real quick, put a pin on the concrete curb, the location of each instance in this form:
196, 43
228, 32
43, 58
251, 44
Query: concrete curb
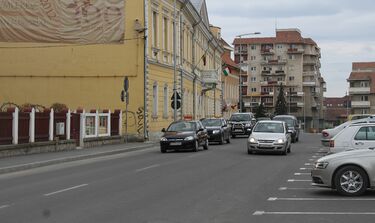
33, 165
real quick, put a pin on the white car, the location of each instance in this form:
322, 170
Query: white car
328, 134
353, 137
269, 136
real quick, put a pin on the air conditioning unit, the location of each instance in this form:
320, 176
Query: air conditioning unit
60, 128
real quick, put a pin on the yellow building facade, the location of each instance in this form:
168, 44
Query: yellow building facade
91, 75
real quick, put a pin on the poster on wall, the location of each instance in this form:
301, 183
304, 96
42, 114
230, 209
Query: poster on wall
62, 21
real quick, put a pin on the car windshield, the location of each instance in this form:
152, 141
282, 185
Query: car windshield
211, 122
269, 127
182, 127
240, 117
288, 121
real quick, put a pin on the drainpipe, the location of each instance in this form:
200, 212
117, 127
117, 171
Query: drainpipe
145, 70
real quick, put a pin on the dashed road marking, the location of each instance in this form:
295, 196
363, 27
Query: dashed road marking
147, 168
305, 168
260, 213
317, 199
300, 174
295, 180
309, 164
64, 190
299, 188
4, 206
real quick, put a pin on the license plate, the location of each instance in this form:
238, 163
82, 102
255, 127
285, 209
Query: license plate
175, 144
238, 130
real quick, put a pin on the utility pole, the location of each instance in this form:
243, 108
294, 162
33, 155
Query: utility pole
174, 63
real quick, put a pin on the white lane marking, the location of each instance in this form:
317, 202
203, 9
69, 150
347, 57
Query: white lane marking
316, 156
146, 168
259, 213
305, 168
299, 188
312, 160
64, 190
4, 206
300, 174
294, 180
317, 199
309, 164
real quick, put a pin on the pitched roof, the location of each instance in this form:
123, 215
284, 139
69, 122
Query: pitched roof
282, 36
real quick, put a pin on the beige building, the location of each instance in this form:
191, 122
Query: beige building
362, 88
289, 60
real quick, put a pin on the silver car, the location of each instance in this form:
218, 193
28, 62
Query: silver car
269, 136
350, 172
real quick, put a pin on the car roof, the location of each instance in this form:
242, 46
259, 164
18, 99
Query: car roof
271, 121
285, 116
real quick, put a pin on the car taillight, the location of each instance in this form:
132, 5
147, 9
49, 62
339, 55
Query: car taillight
325, 134
331, 143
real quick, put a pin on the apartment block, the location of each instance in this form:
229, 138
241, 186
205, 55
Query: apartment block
290, 60
362, 87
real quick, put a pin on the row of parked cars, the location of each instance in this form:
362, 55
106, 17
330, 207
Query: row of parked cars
349, 166
263, 136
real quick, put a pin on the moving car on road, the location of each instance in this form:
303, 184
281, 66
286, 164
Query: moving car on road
217, 129
184, 135
241, 123
350, 173
353, 137
269, 136
292, 123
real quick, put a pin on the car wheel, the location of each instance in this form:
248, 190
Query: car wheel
351, 181
196, 146
221, 140
163, 150
205, 146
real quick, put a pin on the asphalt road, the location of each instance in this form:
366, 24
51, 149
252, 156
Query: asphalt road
223, 184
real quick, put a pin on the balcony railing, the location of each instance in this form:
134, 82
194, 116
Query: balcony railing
309, 73
361, 104
309, 83
309, 62
295, 50
267, 51
359, 90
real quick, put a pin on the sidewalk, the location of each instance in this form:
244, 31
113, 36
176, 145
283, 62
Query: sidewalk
18, 163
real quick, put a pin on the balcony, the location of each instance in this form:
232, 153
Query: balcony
295, 50
359, 90
274, 62
268, 104
309, 73
309, 62
264, 93
361, 104
300, 104
279, 72
267, 51
309, 84
266, 72
210, 76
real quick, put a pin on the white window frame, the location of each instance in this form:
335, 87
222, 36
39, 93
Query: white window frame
155, 96
166, 100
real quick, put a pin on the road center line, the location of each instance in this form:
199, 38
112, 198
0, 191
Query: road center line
64, 190
146, 168
300, 174
318, 199
259, 213
4, 206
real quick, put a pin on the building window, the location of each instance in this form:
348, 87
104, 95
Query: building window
364, 84
155, 29
292, 57
253, 57
155, 100
253, 47
253, 79
279, 46
291, 78
165, 33
364, 98
165, 109
253, 68
253, 89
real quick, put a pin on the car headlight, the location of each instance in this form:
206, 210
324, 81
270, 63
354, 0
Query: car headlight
163, 139
252, 140
189, 138
247, 125
321, 165
216, 132
280, 141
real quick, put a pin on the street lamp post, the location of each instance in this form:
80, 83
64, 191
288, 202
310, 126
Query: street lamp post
240, 83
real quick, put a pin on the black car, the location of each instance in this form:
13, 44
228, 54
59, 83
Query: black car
217, 129
292, 123
184, 135
241, 123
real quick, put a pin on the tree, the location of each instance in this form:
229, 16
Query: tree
281, 107
260, 111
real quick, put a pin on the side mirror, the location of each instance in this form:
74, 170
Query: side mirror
290, 131
163, 130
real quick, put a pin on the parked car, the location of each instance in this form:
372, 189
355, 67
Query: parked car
350, 173
292, 123
328, 134
269, 136
353, 137
217, 129
184, 135
241, 123
263, 118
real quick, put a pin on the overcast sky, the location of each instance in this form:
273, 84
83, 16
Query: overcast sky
343, 29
